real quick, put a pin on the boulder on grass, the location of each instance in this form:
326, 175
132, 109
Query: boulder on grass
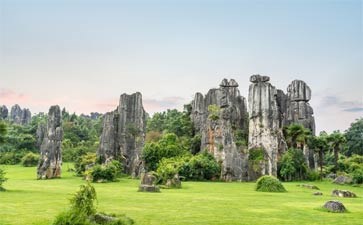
174, 182
318, 193
310, 186
343, 194
334, 206
343, 180
148, 183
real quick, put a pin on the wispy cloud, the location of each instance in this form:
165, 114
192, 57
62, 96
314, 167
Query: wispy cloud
342, 104
155, 105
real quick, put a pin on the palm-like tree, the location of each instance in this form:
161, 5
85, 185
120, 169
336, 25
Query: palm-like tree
320, 146
336, 141
296, 135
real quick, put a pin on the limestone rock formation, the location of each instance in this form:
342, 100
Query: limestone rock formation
4, 112
265, 122
221, 118
123, 134
334, 206
40, 133
20, 116
343, 180
50, 151
298, 107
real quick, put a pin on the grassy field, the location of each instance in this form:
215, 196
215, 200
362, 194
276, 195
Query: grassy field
30, 201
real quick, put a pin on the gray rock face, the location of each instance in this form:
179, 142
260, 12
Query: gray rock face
174, 182
298, 107
123, 134
20, 116
310, 186
334, 206
265, 121
219, 129
4, 112
50, 162
343, 194
40, 133
343, 180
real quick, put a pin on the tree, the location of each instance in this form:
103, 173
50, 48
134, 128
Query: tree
320, 146
296, 135
336, 141
354, 137
2, 132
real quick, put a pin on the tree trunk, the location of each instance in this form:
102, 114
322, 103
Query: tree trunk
336, 156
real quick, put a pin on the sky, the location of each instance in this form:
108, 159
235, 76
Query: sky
83, 54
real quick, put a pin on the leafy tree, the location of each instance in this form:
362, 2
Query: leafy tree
293, 165
336, 141
167, 147
320, 146
354, 138
2, 132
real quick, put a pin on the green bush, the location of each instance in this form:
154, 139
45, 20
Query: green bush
269, 184
12, 157
83, 162
202, 166
312, 175
213, 111
293, 165
83, 212
30, 159
2, 179
357, 176
105, 173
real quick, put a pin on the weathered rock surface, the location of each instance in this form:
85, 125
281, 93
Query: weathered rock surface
310, 186
4, 112
265, 122
299, 111
343, 180
174, 182
40, 133
20, 116
343, 194
334, 206
219, 132
148, 183
50, 162
123, 134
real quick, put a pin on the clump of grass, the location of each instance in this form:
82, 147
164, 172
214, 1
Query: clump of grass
269, 184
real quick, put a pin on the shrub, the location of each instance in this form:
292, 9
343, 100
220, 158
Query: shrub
293, 165
269, 184
357, 176
104, 173
83, 212
312, 175
2, 179
12, 158
30, 159
83, 162
214, 111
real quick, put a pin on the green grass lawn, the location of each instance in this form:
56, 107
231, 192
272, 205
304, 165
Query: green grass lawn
30, 201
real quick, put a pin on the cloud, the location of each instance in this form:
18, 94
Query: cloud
10, 95
156, 105
357, 109
342, 104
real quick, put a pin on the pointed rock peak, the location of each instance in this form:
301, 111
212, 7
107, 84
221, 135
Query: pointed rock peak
258, 78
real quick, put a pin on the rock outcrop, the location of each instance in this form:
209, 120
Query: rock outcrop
148, 183
343, 194
123, 134
298, 110
265, 131
50, 162
20, 116
221, 118
334, 206
4, 112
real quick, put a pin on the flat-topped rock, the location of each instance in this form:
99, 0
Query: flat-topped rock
258, 78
